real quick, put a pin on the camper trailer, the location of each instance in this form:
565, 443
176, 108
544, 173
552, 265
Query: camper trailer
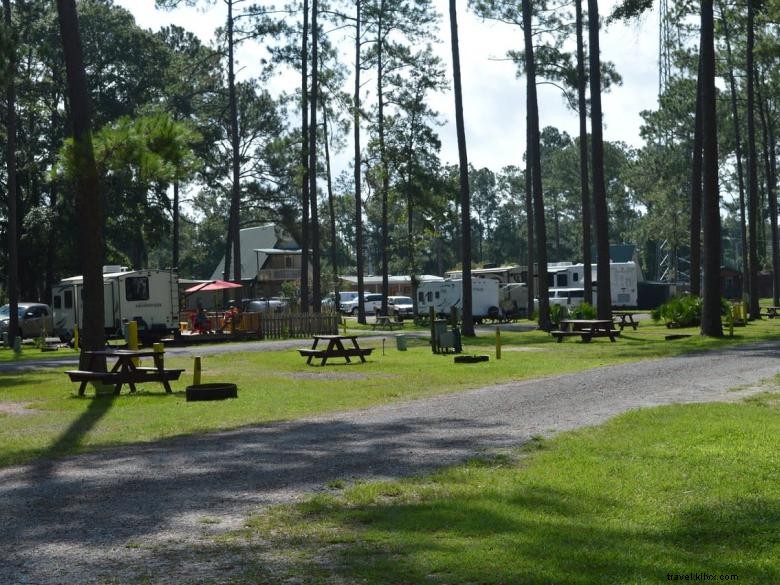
149, 297
513, 299
623, 280
447, 293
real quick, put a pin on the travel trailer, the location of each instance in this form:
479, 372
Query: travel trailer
447, 293
149, 297
624, 278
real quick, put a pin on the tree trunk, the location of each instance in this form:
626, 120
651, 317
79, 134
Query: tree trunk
315, 222
383, 164
582, 106
696, 193
235, 199
763, 111
10, 159
89, 203
360, 256
534, 156
305, 161
603, 291
331, 202
175, 211
738, 152
710, 319
529, 212
463, 163
752, 170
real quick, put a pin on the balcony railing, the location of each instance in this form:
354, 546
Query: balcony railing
280, 274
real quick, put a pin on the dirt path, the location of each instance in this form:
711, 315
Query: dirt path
150, 511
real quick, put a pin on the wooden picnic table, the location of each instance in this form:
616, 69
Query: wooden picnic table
587, 329
335, 349
385, 322
125, 370
625, 318
772, 312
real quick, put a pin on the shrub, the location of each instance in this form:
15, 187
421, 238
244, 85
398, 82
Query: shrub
557, 312
584, 311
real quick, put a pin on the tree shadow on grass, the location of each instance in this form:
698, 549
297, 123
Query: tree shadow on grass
540, 536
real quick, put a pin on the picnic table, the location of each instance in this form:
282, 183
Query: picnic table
772, 312
385, 322
587, 329
625, 318
125, 370
335, 349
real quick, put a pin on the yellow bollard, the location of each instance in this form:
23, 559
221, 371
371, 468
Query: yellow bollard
159, 355
132, 339
498, 342
76, 337
196, 371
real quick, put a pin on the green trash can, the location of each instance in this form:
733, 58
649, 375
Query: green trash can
400, 342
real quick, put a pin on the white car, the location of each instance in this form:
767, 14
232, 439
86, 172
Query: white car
568, 297
400, 307
35, 319
373, 303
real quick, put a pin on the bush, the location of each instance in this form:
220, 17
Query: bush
684, 311
557, 312
584, 311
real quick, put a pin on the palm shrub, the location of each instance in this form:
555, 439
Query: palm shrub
557, 312
584, 311
684, 311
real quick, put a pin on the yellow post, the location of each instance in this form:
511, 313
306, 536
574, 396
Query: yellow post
132, 338
76, 337
159, 355
196, 371
498, 342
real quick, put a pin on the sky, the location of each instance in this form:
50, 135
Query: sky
493, 97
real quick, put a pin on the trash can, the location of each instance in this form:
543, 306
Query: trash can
400, 342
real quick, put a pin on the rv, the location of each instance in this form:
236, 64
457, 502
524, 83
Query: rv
442, 295
513, 299
149, 297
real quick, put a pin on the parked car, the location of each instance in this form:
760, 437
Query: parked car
400, 307
329, 301
373, 303
35, 319
272, 305
568, 297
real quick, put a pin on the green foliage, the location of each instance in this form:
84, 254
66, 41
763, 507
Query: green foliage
583, 311
685, 310
557, 313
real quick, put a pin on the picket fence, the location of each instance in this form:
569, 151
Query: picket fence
290, 325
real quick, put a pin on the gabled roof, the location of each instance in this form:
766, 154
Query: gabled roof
268, 236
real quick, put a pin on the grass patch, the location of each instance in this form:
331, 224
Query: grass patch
665, 491
277, 385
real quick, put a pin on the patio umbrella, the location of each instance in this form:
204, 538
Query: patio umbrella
212, 285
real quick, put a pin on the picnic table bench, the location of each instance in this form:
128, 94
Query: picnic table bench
586, 329
124, 370
771, 312
385, 322
623, 318
335, 349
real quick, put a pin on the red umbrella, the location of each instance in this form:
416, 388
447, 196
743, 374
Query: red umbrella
212, 285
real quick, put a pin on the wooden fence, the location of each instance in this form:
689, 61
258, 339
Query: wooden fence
289, 325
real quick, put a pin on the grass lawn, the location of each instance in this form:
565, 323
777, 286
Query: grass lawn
646, 498
41, 415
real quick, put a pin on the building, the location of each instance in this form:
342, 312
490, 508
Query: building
270, 256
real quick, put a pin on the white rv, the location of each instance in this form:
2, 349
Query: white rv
623, 280
149, 297
447, 293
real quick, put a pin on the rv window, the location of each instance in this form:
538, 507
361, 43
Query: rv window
58, 302
429, 296
68, 299
577, 294
563, 280
420, 297
437, 294
137, 288
575, 277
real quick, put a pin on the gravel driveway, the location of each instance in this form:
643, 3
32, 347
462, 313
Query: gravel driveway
150, 511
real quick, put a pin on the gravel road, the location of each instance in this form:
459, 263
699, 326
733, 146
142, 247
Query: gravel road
149, 512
